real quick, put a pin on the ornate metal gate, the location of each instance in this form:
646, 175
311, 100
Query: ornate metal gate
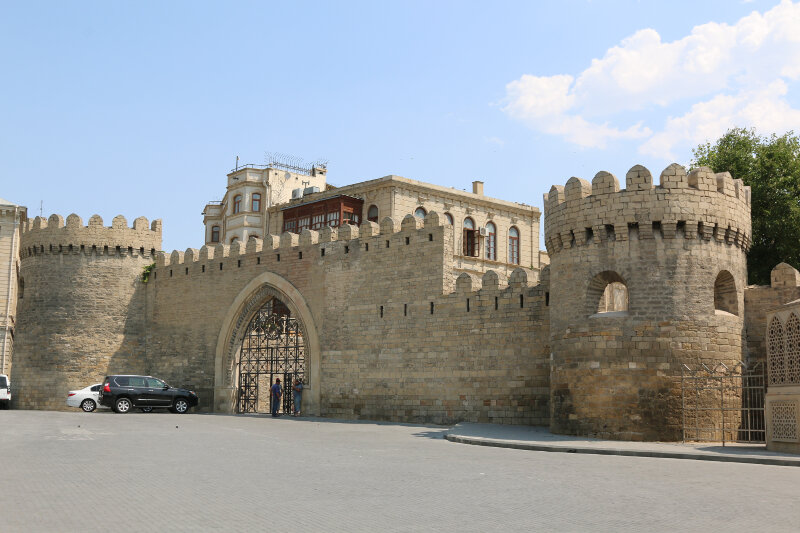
722, 404
272, 348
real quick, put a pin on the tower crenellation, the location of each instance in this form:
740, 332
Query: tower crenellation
57, 235
695, 205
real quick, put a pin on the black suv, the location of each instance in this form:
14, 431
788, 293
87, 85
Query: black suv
122, 393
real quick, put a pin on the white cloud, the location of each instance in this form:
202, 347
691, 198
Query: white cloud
544, 103
721, 75
765, 108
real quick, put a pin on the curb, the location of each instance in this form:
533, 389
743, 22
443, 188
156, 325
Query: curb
517, 445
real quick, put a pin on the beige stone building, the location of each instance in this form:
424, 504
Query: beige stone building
489, 234
243, 212
12, 217
400, 300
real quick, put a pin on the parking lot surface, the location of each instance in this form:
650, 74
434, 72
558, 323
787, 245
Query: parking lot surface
199, 472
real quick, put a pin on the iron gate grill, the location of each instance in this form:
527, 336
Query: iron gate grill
272, 348
722, 404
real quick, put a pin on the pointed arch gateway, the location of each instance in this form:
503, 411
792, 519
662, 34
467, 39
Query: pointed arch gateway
272, 348
268, 332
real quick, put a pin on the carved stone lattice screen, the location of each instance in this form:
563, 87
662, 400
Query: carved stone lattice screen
784, 421
776, 352
783, 364
792, 349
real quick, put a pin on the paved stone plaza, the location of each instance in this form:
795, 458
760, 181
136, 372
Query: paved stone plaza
107, 472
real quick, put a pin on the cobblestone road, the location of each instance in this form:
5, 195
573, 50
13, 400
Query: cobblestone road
164, 472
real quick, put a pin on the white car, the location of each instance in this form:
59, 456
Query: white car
5, 392
85, 398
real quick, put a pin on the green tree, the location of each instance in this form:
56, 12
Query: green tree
771, 167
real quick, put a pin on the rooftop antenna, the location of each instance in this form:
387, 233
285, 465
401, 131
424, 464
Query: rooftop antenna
41, 207
237, 162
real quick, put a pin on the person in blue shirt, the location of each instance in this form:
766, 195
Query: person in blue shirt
277, 392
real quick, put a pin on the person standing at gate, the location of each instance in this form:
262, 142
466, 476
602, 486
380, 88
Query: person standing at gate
277, 392
297, 391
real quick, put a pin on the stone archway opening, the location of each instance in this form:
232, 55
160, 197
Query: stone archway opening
607, 293
726, 298
272, 348
230, 341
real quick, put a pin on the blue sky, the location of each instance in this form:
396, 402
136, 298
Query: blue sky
140, 108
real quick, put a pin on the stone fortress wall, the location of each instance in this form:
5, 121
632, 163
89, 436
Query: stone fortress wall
679, 248
396, 329
397, 336
82, 314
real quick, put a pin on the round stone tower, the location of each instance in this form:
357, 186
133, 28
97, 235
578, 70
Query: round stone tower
81, 309
643, 281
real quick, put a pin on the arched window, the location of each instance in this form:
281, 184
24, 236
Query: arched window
214, 233
234, 239
420, 212
513, 245
372, 213
255, 204
449, 218
607, 293
470, 242
491, 241
237, 203
254, 236
725, 297
21, 289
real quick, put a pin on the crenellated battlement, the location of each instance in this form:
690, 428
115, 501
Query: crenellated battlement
54, 235
492, 280
324, 244
700, 204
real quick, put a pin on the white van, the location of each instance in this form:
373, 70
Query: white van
5, 392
